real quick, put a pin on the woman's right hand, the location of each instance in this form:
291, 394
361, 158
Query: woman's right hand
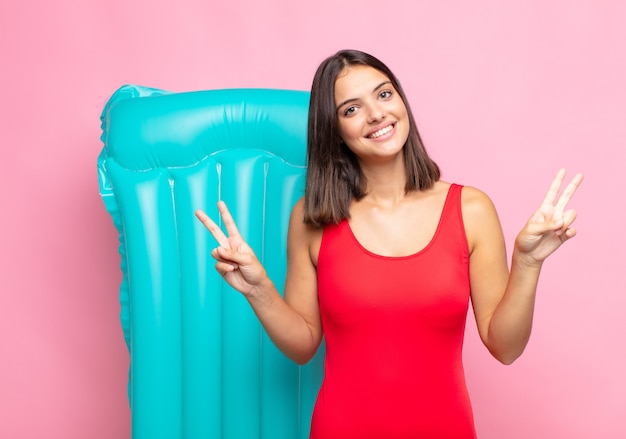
292, 323
236, 261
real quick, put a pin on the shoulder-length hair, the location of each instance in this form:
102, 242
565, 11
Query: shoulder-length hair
334, 177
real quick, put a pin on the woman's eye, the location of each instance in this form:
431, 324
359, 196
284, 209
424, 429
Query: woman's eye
348, 111
386, 94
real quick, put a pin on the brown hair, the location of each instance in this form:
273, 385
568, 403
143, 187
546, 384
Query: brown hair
334, 177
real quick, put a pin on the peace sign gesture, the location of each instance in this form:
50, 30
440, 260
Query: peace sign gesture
236, 261
550, 225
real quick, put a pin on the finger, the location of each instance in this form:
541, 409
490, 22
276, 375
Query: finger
569, 191
568, 218
553, 191
570, 233
223, 261
215, 230
224, 267
229, 222
541, 228
232, 256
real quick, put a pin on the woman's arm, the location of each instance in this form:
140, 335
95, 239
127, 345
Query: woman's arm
504, 301
293, 323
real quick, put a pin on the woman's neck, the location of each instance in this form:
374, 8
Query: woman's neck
385, 183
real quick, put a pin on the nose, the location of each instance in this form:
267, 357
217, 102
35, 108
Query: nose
376, 113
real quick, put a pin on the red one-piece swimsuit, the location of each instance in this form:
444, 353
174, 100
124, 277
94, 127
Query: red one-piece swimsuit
394, 330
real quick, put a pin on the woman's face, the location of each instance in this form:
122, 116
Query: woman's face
373, 120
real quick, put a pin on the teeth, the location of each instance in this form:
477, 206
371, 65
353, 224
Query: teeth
381, 132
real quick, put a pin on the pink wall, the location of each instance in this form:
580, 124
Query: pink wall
504, 95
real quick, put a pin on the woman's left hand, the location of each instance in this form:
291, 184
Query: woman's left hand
550, 225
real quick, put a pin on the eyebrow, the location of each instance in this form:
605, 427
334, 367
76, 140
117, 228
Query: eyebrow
382, 84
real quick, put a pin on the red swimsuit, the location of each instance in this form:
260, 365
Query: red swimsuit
394, 334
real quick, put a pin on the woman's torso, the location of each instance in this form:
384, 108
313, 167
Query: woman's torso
394, 327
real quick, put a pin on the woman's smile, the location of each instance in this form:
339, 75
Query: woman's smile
380, 132
372, 117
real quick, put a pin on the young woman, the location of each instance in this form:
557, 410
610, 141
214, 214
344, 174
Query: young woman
383, 258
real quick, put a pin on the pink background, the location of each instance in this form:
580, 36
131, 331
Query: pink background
504, 93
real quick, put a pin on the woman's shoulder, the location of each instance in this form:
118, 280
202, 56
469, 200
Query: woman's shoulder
304, 235
297, 222
479, 215
475, 200
298, 208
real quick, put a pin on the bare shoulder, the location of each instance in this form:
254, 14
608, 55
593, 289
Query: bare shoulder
301, 235
475, 203
297, 227
297, 213
479, 216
